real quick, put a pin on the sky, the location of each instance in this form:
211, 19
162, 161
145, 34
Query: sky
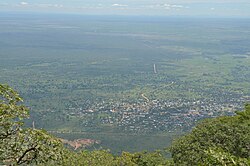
197, 8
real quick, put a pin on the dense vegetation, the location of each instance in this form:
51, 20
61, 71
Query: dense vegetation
20, 145
93, 77
219, 141
222, 140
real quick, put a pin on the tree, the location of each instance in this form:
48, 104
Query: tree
144, 159
20, 145
228, 136
217, 156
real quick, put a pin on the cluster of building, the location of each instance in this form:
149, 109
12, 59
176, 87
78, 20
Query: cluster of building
157, 115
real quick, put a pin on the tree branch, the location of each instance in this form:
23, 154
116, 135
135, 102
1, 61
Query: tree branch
21, 161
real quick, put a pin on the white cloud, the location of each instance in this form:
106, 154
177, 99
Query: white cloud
207, 1
49, 5
119, 5
167, 6
177, 6
24, 3
212, 8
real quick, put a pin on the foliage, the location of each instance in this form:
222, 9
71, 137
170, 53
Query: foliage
144, 158
231, 135
95, 158
10, 112
19, 145
104, 157
217, 156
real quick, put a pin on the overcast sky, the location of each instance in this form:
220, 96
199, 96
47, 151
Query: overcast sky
222, 8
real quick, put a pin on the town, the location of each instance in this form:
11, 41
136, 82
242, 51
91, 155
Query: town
157, 115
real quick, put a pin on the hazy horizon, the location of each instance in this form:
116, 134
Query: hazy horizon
180, 8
